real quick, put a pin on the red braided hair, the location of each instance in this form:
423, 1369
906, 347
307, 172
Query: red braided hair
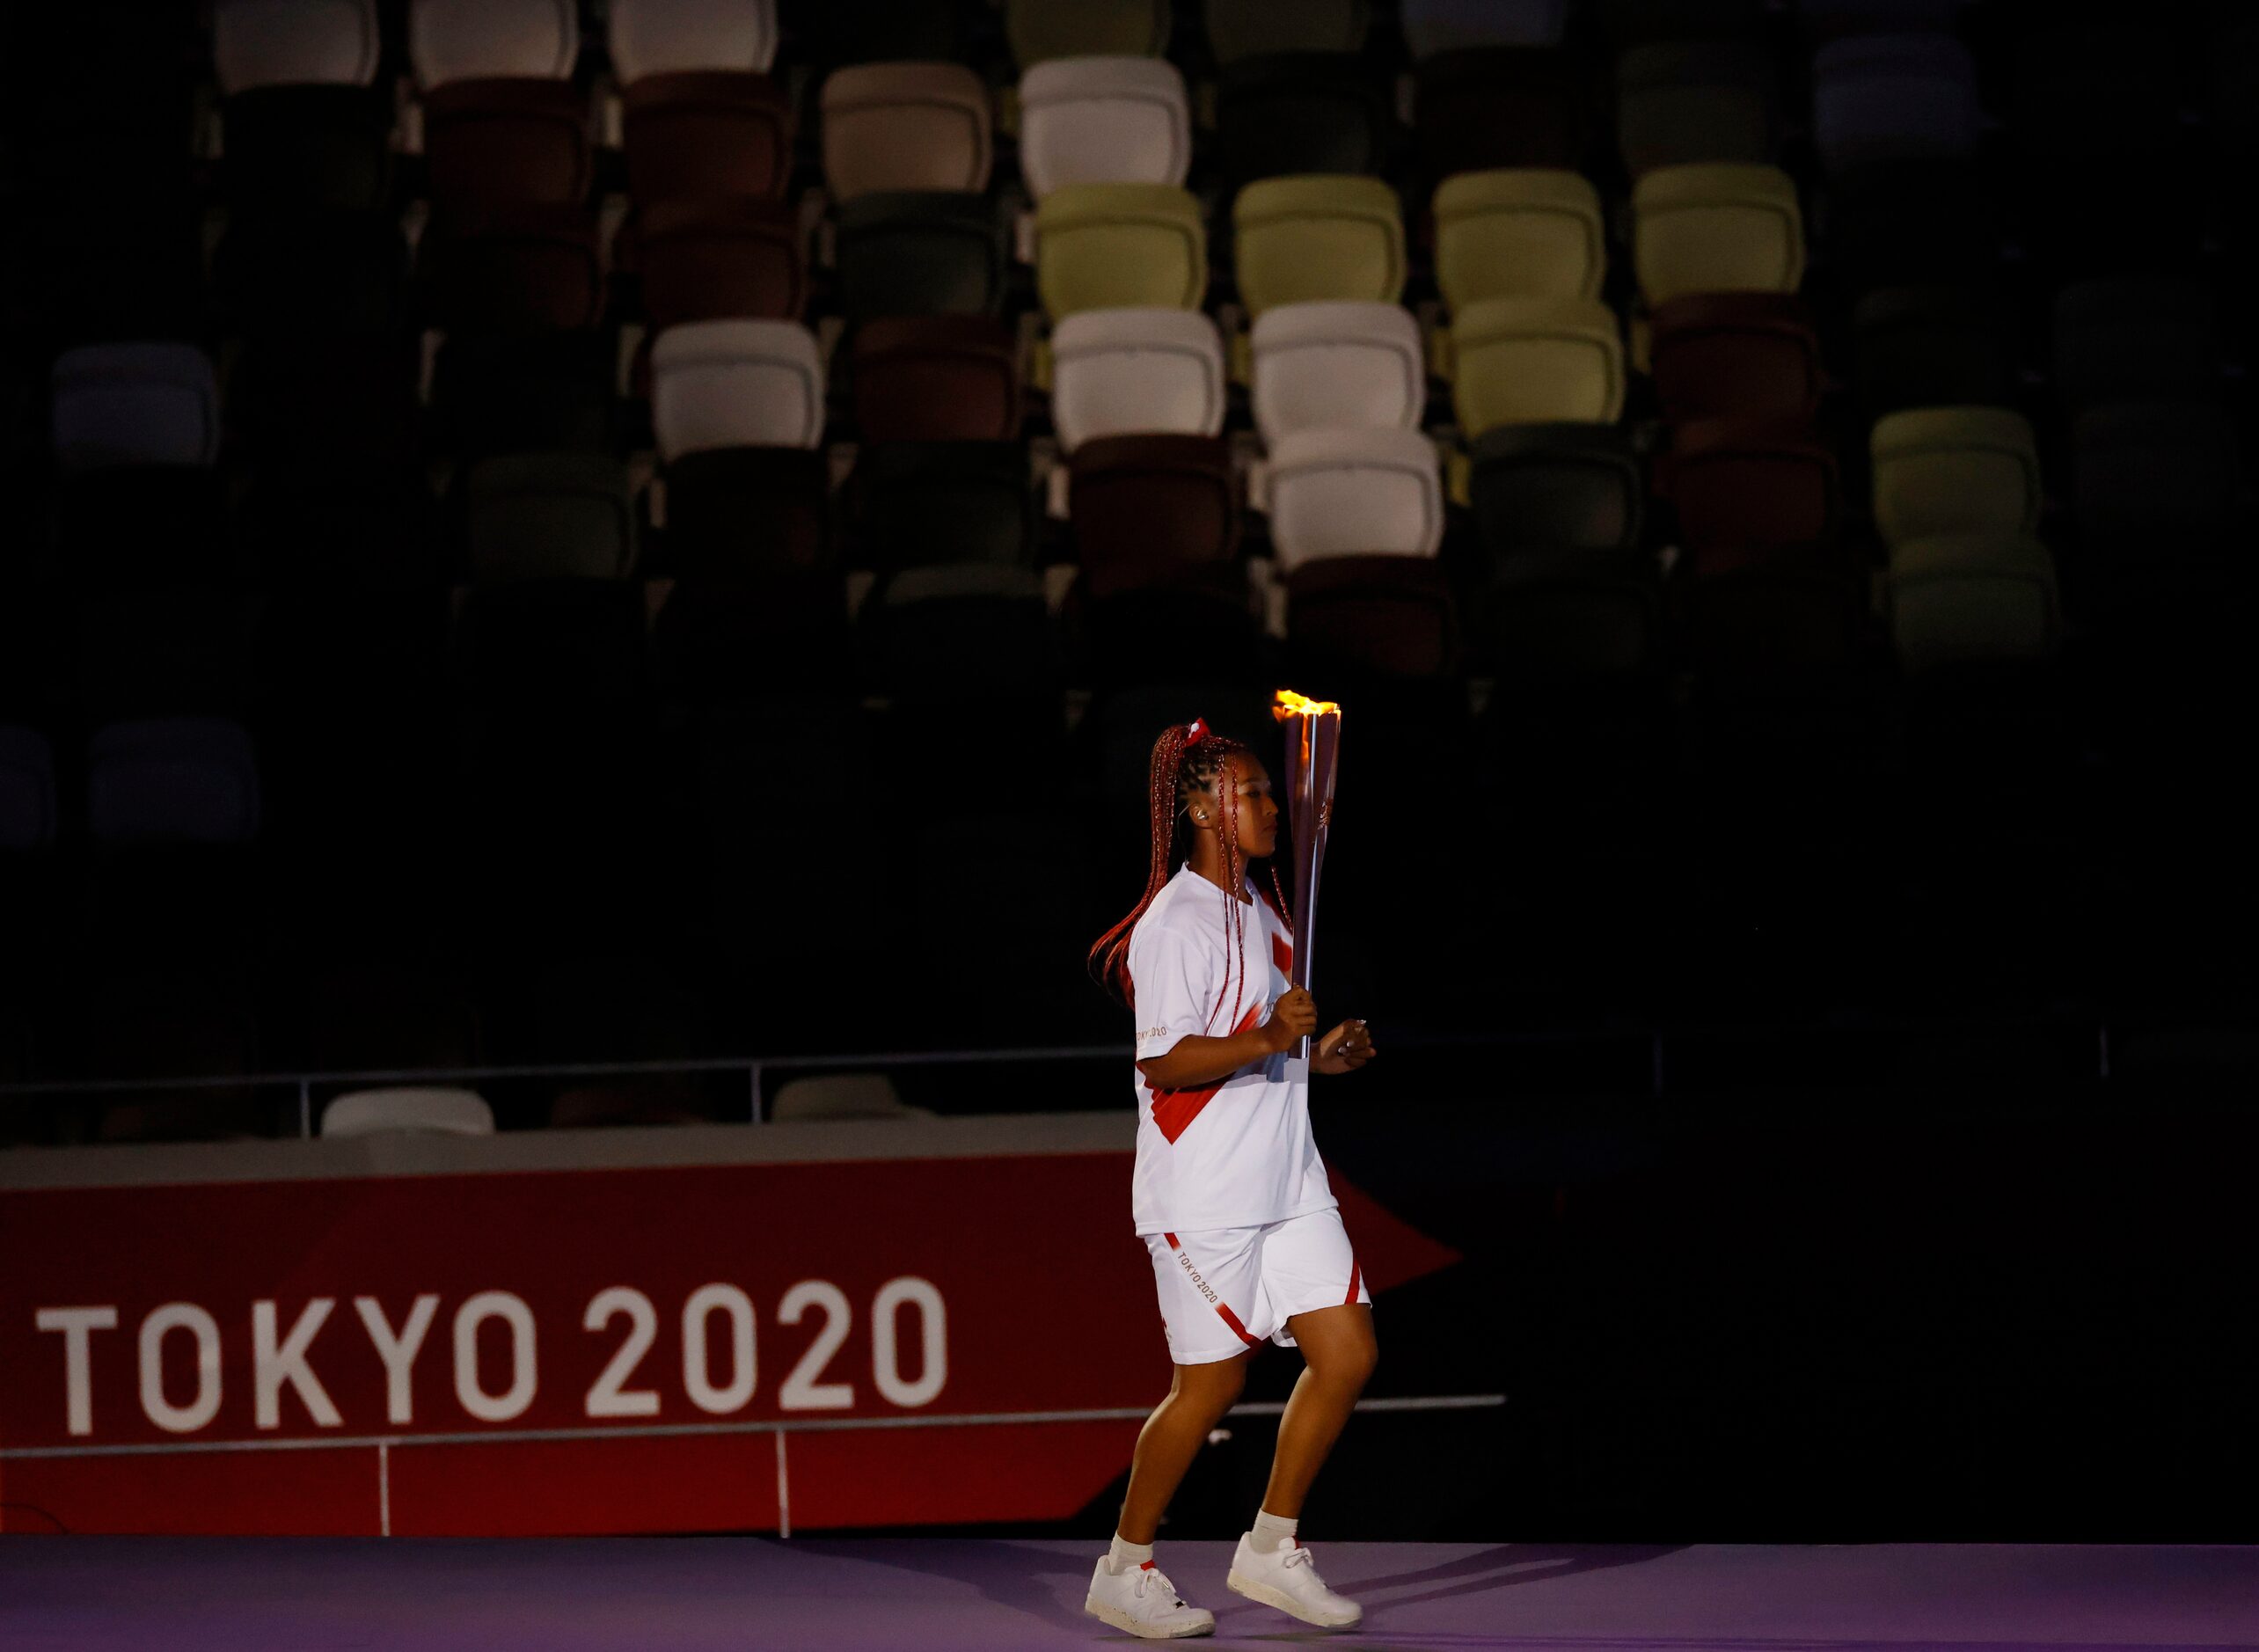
1186, 759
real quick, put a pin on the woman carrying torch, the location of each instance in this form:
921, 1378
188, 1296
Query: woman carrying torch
1229, 1193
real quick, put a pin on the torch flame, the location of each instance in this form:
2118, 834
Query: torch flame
1287, 703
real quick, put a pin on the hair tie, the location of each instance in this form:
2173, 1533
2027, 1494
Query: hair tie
1195, 732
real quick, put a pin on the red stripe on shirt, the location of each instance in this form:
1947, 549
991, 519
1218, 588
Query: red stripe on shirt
1175, 1110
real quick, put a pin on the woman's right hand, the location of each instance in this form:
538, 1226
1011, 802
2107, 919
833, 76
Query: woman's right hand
1292, 1019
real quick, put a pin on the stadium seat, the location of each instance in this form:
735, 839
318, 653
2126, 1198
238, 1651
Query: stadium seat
28, 812
736, 513
500, 142
136, 403
303, 124
1536, 360
529, 393
2130, 339
172, 780
928, 504
1714, 229
845, 1095
1296, 240
1683, 103
1435, 26
1879, 99
548, 515
1258, 28
1631, 23
1742, 490
1483, 108
2095, 90
1103, 120
1781, 626
429, 1110
710, 260
1963, 598
1353, 493
1955, 469
299, 274
900, 126
1927, 346
1358, 616
294, 43
1735, 356
549, 656
2156, 481
736, 384
935, 378
1155, 511
1042, 30
723, 637
1913, 223
1118, 246
1569, 486
919, 253
1317, 365
706, 135
1824, 20
164, 647
1577, 615
451, 41
669, 37
1528, 233
1299, 112
884, 31
964, 632
364, 530
521, 269
1133, 372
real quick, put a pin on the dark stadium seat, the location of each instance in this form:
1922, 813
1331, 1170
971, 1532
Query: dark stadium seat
963, 631
1927, 347
541, 392
1735, 356
885, 32
2155, 479
28, 795
172, 780
294, 145
744, 511
1154, 511
1042, 30
1678, 102
1238, 29
1540, 486
708, 260
935, 378
547, 515
1354, 617
1635, 22
1486, 107
2136, 339
503, 143
920, 253
1431, 26
727, 631
706, 135
285, 273
1299, 112
923, 504
1569, 615
1914, 223
1741, 490
523, 268
1882, 98
1824, 20
166, 650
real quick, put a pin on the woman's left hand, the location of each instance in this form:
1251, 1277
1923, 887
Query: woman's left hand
1344, 1049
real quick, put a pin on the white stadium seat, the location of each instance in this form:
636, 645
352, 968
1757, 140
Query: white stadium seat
493, 39
294, 43
133, 403
736, 384
1136, 372
664, 37
376, 1112
1103, 120
1331, 365
841, 1095
1353, 493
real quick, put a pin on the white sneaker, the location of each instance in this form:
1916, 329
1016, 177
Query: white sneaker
1287, 1579
1141, 1600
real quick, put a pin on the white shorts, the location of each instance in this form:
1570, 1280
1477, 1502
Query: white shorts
1223, 1292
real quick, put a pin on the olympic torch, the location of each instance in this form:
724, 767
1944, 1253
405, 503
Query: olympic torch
1313, 741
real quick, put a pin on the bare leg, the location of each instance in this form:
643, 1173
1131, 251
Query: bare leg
1339, 1348
1199, 1395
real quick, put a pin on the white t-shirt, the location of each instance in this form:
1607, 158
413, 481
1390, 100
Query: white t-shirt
1237, 1152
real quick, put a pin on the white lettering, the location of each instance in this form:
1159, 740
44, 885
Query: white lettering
272, 1366
801, 1392
398, 1352
886, 1363
611, 1398
704, 1394
178, 1316
513, 1401
77, 1325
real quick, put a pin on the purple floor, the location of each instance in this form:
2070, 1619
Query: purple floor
307, 1595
